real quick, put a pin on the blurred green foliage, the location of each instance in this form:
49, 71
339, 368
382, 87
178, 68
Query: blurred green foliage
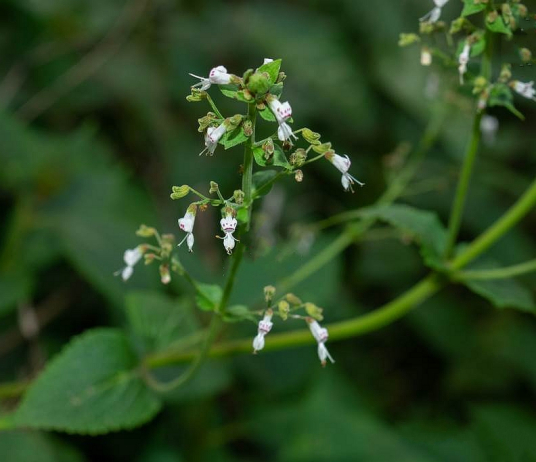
95, 128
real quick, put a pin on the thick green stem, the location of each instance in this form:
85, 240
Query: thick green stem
247, 183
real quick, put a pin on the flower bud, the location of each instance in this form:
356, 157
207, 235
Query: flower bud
408, 39
165, 276
206, 121
247, 126
145, 231
522, 9
492, 17
238, 196
298, 176
292, 299
268, 148
214, 188
179, 191
196, 95
149, 258
298, 157
283, 307
322, 148
310, 136
506, 73
525, 54
457, 25
259, 83
314, 311
269, 292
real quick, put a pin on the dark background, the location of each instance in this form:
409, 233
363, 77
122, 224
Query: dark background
94, 130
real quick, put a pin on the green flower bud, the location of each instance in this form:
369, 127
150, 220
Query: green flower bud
232, 122
322, 148
492, 17
269, 292
149, 258
281, 77
408, 39
457, 25
196, 95
206, 121
310, 136
247, 75
506, 73
292, 299
213, 187
298, 157
283, 307
314, 311
179, 191
247, 126
480, 84
525, 54
145, 231
259, 83
238, 196
268, 148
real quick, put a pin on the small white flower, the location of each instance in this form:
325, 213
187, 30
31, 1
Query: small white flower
525, 89
268, 60
489, 126
130, 257
218, 76
342, 164
321, 335
426, 56
212, 138
265, 326
282, 112
463, 59
435, 13
186, 223
228, 226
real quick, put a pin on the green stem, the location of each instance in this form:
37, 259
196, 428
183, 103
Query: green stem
498, 273
463, 186
214, 108
247, 182
523, 205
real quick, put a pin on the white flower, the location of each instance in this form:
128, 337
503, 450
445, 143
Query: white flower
435, 14
268, 60
463, 59
342, 164
217, 76
426, 56
130, 257
228, 226
282, 112
321, 335
212, 138
265, 326
489, 126
186, 223
525, 89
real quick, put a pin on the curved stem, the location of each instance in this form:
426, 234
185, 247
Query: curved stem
498, 273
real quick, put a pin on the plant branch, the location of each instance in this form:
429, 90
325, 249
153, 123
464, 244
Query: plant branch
498, 273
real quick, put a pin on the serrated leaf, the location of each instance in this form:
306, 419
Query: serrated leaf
92, 387
471, 7
233, 138
502, 293
261, 180
157, 319
229, 90
422, 225
499, 26
208, 296
279, 158
272, 69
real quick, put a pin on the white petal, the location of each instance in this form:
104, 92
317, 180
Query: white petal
190, 242
265, 326
323, 354
258, 343
228, 224
127, 272
342, 164
132, 256
284, 132
229, 243
268, 60
219, 76
440, 3
187, 222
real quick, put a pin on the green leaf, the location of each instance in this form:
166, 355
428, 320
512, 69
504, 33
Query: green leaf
267, 114
502, 293
229, 90
279, 158
158, 319
422, 225
92, 387
238, 313
233, 138
471, 7
499, 26
258, 154
501, 95
261, 179
479, 46
208, 296
272, 69
27, 446
277, 89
